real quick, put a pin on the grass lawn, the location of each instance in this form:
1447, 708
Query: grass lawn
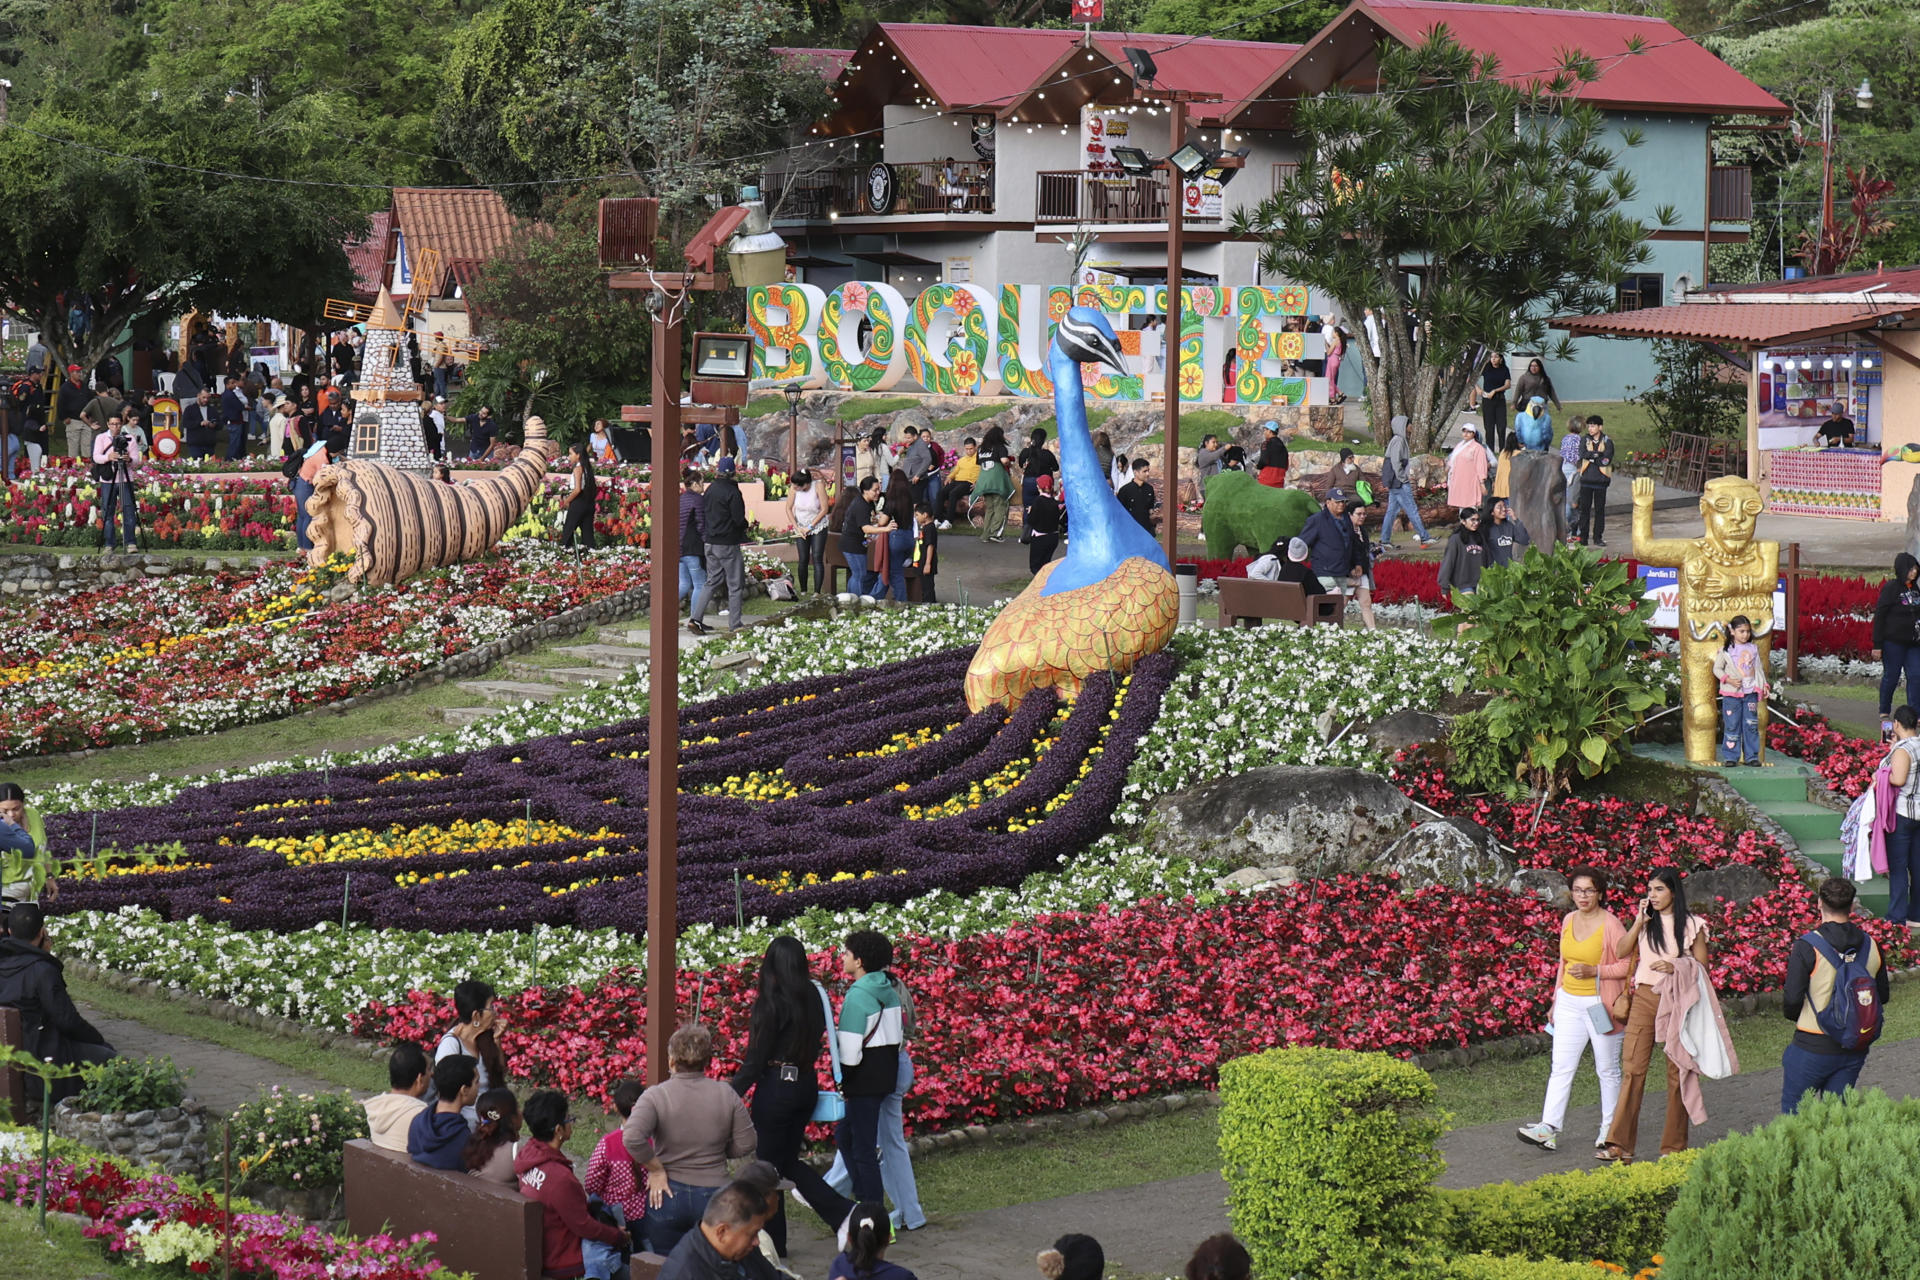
864, 405
1630, 425
62, 1254
978, 413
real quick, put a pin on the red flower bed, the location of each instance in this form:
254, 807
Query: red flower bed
1073, 1009
1845, 762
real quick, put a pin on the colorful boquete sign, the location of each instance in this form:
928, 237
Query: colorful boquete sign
966, 339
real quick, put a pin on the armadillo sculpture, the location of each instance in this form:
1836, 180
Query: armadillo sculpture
396, 523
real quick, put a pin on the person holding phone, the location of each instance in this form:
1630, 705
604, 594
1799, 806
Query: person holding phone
21, 832
1592, 976
1662, 930
475, 1034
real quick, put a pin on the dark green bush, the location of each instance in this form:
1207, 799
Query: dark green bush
1617, 1214
1484, 1266
1832, 1192
123, 1085
1329, 1159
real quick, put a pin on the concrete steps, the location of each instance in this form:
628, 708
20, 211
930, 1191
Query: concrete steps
1781, 792
609, 656
512, 693
563, 675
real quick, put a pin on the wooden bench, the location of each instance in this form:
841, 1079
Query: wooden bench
483, 1228
1252, 599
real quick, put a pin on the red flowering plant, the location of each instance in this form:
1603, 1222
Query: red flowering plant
1847, 763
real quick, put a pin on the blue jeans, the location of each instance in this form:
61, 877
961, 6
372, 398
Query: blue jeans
856, 571
236, 441
934, 486
899, 551
1739, 728
1903, 864
118, 493
1896, 660
896, 1162
693, 576
859, 1141
1803, 1071
1400, 501
302, 490
678, 1214
603, 1261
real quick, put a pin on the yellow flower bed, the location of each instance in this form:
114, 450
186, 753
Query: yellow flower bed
772, 785
363, 843
996, 784
900, 742
787, 882
415, 775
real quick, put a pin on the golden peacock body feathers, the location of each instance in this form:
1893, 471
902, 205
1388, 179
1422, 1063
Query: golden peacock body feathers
1059, 640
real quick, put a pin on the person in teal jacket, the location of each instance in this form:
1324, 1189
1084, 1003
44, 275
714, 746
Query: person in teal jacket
870, 1032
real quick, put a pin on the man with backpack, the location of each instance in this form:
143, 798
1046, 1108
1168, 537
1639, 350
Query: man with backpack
1836, 996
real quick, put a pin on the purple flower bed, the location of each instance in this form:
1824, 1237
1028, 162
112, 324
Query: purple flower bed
850, 822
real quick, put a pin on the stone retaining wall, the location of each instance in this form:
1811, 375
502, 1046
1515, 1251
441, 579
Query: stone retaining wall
79, 570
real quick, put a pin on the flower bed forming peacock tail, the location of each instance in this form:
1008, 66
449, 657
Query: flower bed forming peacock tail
553, 831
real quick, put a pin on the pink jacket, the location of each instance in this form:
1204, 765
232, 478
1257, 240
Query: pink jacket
1615, 970
1679, 992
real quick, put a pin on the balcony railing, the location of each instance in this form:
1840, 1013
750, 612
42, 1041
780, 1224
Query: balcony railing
1731, 193
881, 190
1282, 173
1077, 195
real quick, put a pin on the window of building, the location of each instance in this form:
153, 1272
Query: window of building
1637, 292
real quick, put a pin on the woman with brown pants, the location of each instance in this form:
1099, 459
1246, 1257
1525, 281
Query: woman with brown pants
1662, 929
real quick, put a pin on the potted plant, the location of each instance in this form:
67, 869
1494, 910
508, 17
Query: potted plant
286, 1147
138, 1110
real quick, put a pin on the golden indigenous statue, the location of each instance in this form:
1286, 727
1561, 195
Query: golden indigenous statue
1724, 574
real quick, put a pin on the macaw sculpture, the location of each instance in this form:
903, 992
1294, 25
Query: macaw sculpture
1111, 600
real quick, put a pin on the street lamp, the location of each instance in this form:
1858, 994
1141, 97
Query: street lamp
793, 429
1863, 101
1863, 96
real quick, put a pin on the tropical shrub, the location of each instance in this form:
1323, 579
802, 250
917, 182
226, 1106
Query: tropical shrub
294, 1140
1329, 1158
1484, 1266
1558, 635
1825, 1192
124, 1084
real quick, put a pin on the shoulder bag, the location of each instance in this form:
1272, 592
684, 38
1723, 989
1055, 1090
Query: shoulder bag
829, 1107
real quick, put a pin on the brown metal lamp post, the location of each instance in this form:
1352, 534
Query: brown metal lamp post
793, 429
627, 230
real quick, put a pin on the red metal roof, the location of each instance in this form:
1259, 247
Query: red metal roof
1670, 72
825, 63
1882, 280
991, 68
368, 256
1747, 324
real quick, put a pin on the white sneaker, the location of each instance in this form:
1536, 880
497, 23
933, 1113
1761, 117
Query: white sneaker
943, 525
867, 600
1540, 1135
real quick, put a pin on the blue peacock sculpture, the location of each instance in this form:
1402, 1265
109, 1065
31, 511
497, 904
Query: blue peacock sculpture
1112, 599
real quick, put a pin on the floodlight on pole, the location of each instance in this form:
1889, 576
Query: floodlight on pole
1190, 160
1133, 159
1145, 70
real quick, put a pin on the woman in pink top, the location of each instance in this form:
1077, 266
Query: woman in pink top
1590, 978
1662, 929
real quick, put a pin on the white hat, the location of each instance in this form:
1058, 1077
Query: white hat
1470, 425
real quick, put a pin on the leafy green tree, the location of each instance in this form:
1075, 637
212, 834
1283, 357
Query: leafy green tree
1487, 207
677, 98
1878, 40
560, 342
1692, 392
1228, 19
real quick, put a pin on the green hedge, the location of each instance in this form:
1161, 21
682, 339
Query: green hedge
1329, 1159
1617, 1213
1833, 1191
1484, 1266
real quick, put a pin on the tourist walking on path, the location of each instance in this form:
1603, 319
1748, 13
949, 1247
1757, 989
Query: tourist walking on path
1896, 634
1589, 980
870, 1034
786, 1032
1042, 530
995, 486
1836, 989
1664, 932
1903, 841
579, 500
683, 1131
896, 1161
724, 513
1535, 382
693, 550
1396, 477
1468, 468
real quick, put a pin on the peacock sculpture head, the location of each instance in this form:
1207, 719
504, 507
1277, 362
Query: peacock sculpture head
1084, 336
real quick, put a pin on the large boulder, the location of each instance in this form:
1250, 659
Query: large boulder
1539, 497
1549, 886
1449, 851
1321, 821
1398, 730
1736, 883
1242, 512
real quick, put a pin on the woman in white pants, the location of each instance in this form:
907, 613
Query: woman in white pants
1589, 981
